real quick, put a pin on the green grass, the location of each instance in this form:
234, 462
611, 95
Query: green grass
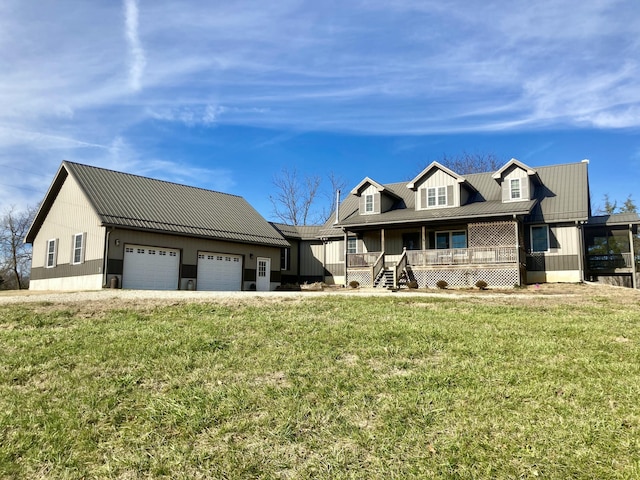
333, 387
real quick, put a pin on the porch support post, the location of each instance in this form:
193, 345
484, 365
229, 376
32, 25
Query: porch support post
634, 283
424, 237
346, 280
382, 239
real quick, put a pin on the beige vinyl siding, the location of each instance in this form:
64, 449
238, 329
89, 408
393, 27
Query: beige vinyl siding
565, 241
513, 174
438, 178
335, 251
70, 214
334, 261
370, 190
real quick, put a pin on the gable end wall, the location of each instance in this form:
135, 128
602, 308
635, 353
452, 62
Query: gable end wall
70, 214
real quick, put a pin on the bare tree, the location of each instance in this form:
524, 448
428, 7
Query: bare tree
465, 162
15, 255
304, 200
336, 183
294, 197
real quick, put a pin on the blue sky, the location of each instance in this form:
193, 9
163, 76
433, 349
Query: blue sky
223, 95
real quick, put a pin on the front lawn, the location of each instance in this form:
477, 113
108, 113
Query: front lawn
331, 387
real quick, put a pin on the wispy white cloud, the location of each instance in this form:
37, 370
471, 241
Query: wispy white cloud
409, 67
138, 60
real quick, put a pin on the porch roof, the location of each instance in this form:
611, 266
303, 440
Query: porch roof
614, 219
466, 212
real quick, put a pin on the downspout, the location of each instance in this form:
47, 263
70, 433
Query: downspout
107, 236
581, 249
346, 280
634, 282
324, 259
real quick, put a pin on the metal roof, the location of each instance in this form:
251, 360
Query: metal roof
563, 195
614, 219
298, 232
131, 201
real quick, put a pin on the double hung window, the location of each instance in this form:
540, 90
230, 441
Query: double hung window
78, 248
52, 253
368, 203
514, 189
352, 245
436, 197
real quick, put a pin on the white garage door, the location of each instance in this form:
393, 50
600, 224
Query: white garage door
219, 271
150, 268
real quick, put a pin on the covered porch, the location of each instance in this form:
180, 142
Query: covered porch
458, 254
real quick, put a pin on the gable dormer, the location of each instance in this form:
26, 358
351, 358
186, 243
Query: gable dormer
517, 181
438, 187
374, 197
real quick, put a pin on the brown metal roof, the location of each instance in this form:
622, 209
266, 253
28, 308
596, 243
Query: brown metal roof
614, 219
298, 232
562, 196
132, 201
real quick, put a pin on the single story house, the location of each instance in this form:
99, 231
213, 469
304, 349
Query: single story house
513, 226
98, 227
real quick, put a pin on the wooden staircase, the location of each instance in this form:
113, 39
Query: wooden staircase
385, 279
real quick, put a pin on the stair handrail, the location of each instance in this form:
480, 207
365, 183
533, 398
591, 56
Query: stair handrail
400, 266
377, 267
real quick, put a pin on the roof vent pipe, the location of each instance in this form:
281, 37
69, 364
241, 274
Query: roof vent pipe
337, 206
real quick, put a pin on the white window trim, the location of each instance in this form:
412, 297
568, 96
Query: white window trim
74, 248
436, 191
531, 239
355, 241
369, 207
511, 189
54, 258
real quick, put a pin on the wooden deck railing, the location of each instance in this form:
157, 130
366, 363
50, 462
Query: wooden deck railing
362, 259
463, 256
451, 256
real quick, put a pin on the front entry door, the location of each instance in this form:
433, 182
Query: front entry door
263, 282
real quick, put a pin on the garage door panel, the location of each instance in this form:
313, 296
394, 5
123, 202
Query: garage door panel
219, 271
150, 268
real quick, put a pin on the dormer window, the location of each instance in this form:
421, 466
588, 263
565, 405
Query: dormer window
368, 203
434, 196
514, 188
